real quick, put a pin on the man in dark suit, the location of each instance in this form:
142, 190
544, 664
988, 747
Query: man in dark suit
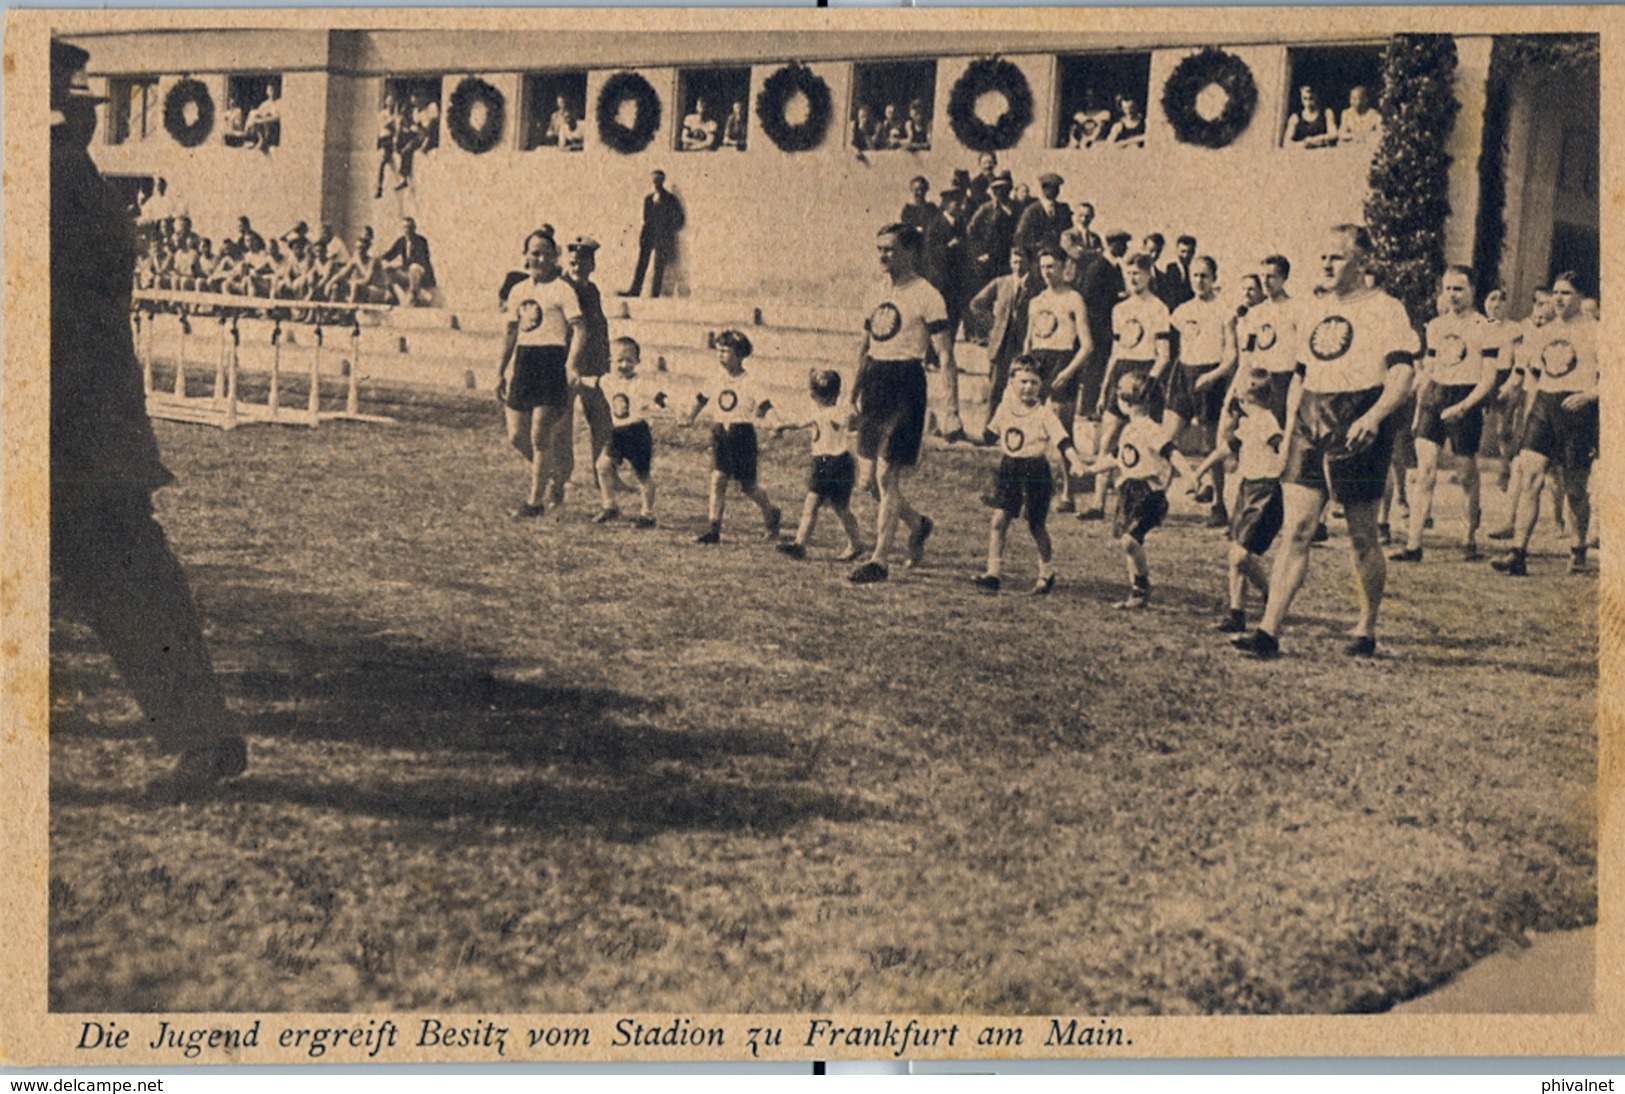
1002, 306
920, 212
1044, 220
408, 264
991, 233
943, 256
662, 220
1099, 280
109, 558
1173, 283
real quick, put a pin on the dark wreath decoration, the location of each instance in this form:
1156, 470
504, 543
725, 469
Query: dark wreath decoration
777, 91
460, 115
621, 88
189, 95
990, 74
1194, 75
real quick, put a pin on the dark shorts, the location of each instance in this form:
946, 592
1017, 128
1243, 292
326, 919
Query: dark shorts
1280, 388
1316, 457
1140, 508
831, 478
1125, 369
1050, 364
1256, 519
1565, 437
635, 444
891, 415
1463, 433
1022, 485
538, 378
1184, 401
733, 452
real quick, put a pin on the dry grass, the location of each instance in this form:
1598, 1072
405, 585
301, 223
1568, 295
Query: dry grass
558, 767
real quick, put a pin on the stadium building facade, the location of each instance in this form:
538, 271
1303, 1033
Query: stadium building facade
798, 227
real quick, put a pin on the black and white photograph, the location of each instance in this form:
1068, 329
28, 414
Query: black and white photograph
757, 535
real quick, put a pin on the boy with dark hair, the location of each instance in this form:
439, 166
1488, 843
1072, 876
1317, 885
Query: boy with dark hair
629, 397
833, 472
737, 403
1143, 464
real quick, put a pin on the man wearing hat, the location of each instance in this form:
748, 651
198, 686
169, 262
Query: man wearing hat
991, 233
593, 360
109, 557
1044, 220
979, 189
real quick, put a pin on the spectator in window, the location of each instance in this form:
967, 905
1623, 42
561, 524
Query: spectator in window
893, 129
864, 132
564, 128
263, 130
916, 128
1313, 126
407, 266
1361, 124
699, 132
1129, 129
389, 128
733, 130
426, 120
1091, 124
234, 124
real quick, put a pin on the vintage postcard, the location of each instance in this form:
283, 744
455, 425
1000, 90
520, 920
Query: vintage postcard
806, 535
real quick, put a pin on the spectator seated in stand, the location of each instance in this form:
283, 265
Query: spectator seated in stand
408, 269
865, 131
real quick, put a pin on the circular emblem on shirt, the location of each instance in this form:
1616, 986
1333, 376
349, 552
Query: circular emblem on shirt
1014, 440
1045, 323
885, 322
727, 400
1452, 350
1331, 338
1558, 358
1191, 326
1266, 337
530, 315
1132, 333
1128, 455
621, 406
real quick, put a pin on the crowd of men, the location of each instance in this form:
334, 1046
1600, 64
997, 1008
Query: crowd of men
297, 266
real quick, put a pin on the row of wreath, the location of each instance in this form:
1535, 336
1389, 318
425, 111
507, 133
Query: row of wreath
477, 111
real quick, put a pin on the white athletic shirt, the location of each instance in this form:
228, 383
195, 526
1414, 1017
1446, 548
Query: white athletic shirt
1344, 342
1137, 324
1023, 431
1263, 444
734, 400
1054, 318
1565, 355
1458, 349
1273, 334
631, 400
1504, 335
1201, 330
1142, 452
1529, 342
831, 429
542, 313
901, 319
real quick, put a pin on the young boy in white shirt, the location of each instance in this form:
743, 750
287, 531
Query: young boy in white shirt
737, 404
630, 397
833, 471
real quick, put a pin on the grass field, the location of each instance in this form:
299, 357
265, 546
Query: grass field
558, 767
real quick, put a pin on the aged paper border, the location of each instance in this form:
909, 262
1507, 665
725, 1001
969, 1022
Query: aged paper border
30, 1035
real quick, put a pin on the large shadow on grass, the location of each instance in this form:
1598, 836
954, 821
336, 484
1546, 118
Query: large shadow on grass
446, 735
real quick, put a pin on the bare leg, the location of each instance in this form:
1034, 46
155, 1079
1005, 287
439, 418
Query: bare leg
1301, 507
1424, 479
998, 528
1370, 565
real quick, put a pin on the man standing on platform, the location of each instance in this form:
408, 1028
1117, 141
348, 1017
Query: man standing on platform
109, 558
662, 220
